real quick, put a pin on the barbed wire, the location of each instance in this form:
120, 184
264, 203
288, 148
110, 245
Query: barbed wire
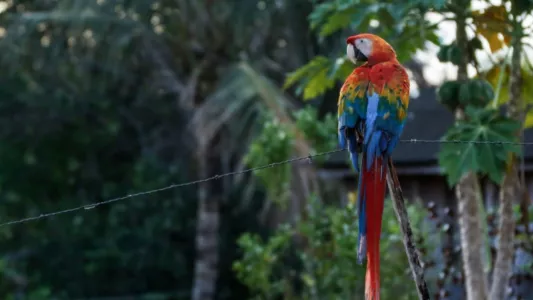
422, 141
308, 158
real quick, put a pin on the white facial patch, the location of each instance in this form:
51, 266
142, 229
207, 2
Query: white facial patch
350, 52
365, 46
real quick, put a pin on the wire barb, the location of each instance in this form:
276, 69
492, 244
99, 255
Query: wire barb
308, 158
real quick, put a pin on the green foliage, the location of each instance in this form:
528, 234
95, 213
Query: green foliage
480, 125
490, 158
320, 133
261, 261
398, 23
325, 264
273, 144
333, 16
319, 75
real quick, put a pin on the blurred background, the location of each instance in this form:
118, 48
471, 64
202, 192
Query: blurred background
102, 99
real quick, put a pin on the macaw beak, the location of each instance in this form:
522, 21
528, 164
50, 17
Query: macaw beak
353, 52
351, 39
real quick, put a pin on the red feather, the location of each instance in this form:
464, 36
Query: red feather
374, 180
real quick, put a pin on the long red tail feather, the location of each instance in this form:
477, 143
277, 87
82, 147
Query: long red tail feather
374, 180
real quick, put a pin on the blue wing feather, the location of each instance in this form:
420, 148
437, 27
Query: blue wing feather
348, 119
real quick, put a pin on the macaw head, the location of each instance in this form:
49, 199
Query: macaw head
367, 47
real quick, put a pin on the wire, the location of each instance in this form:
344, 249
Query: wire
414, 141
308, 158
172, 186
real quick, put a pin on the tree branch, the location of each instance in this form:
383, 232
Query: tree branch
413, 254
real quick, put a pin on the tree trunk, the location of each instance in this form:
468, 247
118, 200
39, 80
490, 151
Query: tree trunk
467, 192
511, 188
504, 250
208, 219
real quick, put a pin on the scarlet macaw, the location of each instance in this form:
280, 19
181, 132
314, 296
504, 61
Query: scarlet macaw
372, 110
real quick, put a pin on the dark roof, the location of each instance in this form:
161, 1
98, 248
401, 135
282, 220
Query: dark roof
427, 120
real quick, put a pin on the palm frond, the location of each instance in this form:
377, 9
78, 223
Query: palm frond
242, 89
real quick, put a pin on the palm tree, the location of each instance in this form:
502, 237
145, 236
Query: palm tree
217, 62
228, 119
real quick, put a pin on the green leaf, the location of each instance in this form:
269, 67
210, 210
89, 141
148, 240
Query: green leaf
318, 76
320, 14
317, 84
329, 17
316, 64
340, 20
481, 125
